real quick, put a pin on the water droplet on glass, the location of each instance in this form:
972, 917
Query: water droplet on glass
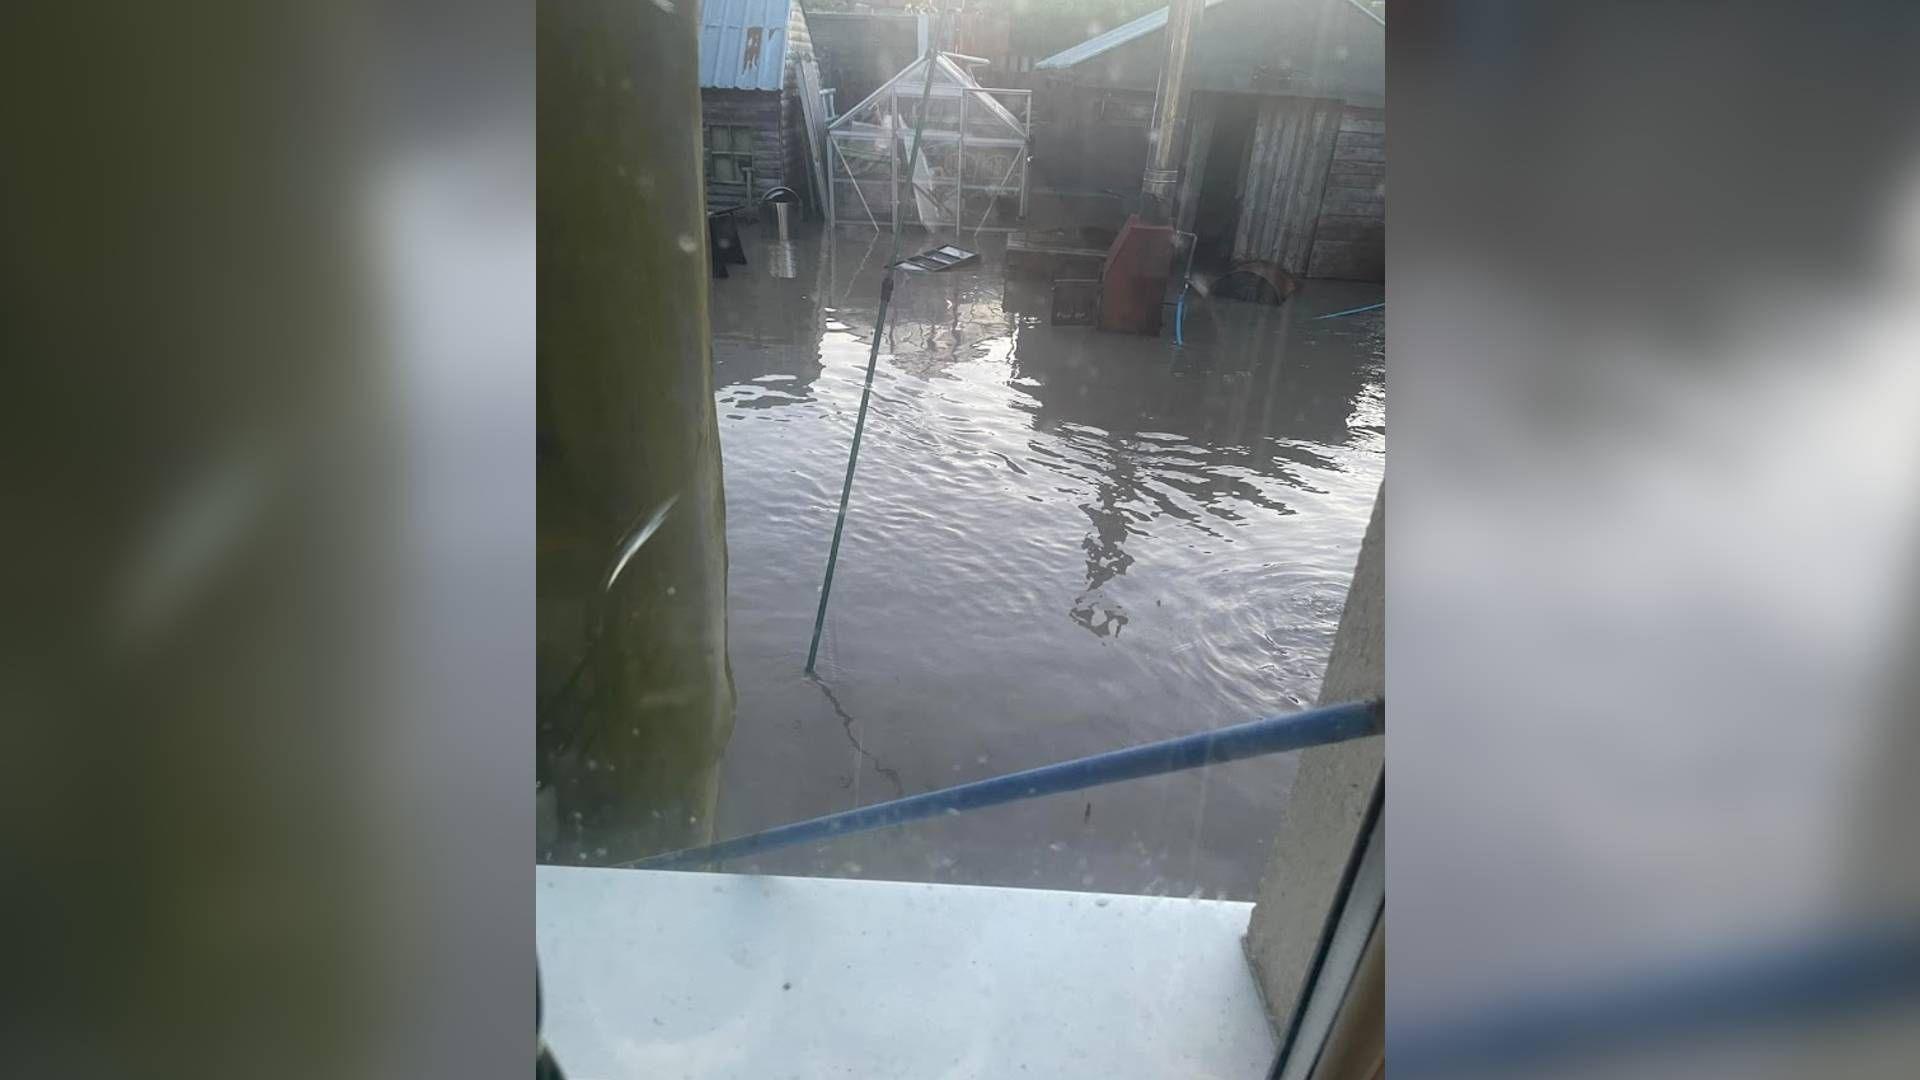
686, 243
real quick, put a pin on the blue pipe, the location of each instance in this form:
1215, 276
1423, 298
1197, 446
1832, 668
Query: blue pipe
1271, 735
1352, 311
1186, 286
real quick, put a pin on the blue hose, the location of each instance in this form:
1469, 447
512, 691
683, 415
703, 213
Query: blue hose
1272, 735
1351, 311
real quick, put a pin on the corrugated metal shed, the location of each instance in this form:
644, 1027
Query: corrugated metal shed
743, 43
1094, 46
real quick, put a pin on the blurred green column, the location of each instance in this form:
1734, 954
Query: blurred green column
635, 701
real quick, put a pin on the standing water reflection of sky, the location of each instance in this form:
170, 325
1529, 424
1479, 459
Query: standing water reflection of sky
1061, 541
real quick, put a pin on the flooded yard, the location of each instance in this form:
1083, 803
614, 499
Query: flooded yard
1061, 541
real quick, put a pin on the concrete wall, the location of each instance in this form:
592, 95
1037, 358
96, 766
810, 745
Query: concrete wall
1328, 804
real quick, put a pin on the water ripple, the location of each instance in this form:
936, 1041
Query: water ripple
1060, 541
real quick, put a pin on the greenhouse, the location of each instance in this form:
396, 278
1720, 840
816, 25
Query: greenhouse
971, 174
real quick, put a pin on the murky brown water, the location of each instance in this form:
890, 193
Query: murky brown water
1061, 541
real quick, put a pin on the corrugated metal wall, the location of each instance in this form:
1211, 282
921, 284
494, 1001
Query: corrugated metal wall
1293, 144
743, 44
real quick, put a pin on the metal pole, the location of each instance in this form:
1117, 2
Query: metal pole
873, 360
1160, 185
853, 458
833, 213
960, 169
1271, 735
1026, 144
893, 159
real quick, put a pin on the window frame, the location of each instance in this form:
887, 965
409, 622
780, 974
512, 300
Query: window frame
737, 136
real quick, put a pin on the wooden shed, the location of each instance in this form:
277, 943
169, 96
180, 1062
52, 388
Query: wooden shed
759, 101
1286, 140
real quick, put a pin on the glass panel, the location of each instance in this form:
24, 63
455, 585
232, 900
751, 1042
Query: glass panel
1088, 525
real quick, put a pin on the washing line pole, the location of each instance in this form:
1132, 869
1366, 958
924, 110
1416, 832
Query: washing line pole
873, 359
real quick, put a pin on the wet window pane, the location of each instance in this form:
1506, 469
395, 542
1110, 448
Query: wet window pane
1060, 541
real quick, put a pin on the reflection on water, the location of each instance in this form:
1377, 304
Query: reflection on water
1060, 541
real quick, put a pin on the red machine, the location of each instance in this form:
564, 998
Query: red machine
1133, 284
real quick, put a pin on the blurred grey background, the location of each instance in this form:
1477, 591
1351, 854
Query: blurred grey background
1652, 345
267, 759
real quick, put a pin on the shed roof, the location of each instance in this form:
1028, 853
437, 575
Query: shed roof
1299, 48
1141, 27
743, 44
1112, 39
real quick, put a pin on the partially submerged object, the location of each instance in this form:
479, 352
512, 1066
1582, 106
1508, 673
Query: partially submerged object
1262, 282
1076, 301
1133, 284
782, 260
723, 240
944, 257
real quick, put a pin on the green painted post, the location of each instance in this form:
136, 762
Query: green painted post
853, 458
636, 700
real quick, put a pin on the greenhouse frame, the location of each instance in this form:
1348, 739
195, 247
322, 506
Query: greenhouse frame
971, 174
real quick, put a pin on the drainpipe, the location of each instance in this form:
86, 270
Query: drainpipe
1160, 185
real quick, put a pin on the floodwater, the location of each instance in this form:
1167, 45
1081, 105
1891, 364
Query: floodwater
1061, 541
